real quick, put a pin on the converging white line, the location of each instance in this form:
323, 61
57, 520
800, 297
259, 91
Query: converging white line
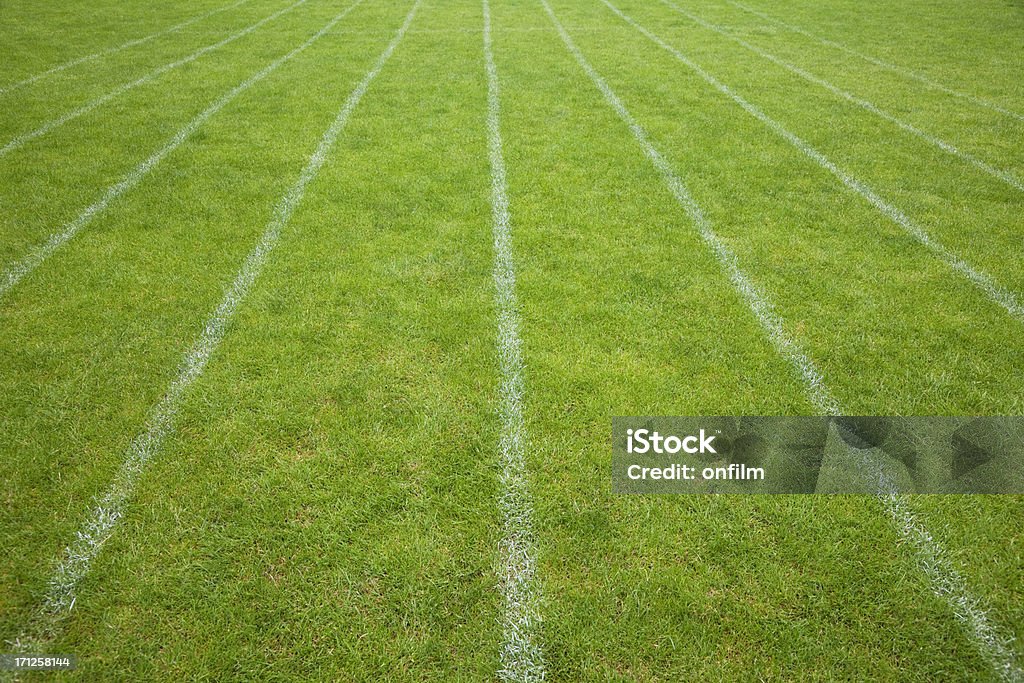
984, 166
14, 273
78, 557
109, 51
950, 586
907, 73
945, 581
521, 658
24, 138
995, 292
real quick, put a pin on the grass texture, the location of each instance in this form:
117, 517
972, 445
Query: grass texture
326, 505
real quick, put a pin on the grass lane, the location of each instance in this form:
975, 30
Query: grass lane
889, 324
329, 508
52, 179
106, 52
98, 336
973, 127
637, 583
984, 536
328, 505
994, 543
967, 210
31, 106
941, 363
39, 254
965, 156
44, 37
922, 38
28, 136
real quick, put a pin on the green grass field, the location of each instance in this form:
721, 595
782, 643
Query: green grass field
273, 408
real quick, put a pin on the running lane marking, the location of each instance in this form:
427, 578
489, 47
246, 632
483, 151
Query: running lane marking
25, 138
77, 560
14, 273
992, 289
109, 51
521, 656
945, 582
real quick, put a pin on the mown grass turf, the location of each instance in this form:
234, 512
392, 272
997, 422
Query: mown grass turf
122, 316
327, 506
361, 463
39, 37
625, 583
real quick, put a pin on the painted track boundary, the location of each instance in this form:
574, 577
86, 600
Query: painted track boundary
944, 580
25, 138
521, 657
113, 50
14, 273
895, 68
998, 294
77, 559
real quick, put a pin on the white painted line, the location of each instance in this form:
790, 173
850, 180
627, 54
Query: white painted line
907, 73
759, 304
944, 580
996, 292
24, 138
521, 657
1002, 175
109, 51
78, 557
14, 273
950, 586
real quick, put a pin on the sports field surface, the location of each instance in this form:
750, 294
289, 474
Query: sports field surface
314, 316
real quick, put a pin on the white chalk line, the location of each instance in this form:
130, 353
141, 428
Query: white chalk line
109, 51
521, 657
23, 139
950, 586
14, 273
995, 292
907, 73
944, 580
984, 166
61, 594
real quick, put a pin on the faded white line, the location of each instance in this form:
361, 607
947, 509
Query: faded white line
15, 272
24, 138
78, 557
996, 292
944, 580
521, 656
124, 46
907, 73
984, 166
950, 586
762, 309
